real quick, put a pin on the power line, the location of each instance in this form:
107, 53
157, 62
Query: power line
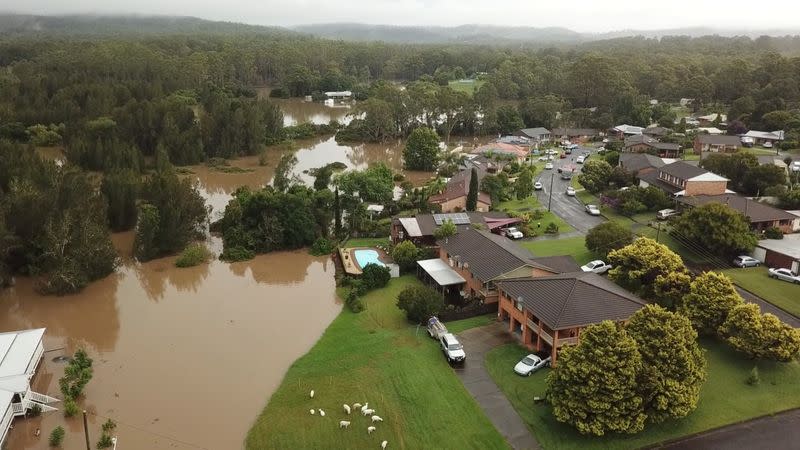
163, 436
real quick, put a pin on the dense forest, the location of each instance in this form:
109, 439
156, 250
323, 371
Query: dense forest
126, 108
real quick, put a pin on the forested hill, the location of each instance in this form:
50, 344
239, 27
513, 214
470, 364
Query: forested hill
98, 25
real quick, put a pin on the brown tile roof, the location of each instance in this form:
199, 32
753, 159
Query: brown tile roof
682, 170
757, 212
560, 264
458, 186
647, 140
656, 131
652, 179
489, 255
427, 225
713, 139
574, 132
573, 299
634, 162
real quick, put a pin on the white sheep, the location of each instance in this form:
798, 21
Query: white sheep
367, 412
370, 430
376, 419
366, 405
384, 444
322, 413
311, 394
356, 405
311, 411
346, 408
344, 424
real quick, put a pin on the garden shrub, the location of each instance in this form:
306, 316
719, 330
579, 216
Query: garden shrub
552, 228
322, 246
193, 255
374, 276
773, 233
57, 436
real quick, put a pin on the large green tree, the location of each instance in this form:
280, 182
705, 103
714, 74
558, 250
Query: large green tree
716, 227
420, 303
405, 254
472, 193
595, 385
606, 237
760, 335
121, 189
422, 150
711, 298
595, 175
643, 264
523, 186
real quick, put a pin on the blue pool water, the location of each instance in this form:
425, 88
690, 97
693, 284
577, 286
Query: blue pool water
364, 257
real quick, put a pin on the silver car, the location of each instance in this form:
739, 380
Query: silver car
785, 275
746, 261
593, 210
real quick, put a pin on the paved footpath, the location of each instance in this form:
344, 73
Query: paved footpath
478, 342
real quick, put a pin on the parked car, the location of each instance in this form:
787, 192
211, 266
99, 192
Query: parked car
530, 364
746, 261
562, 156
436, 328
593, 210
452, 349
767, 145
566, 174
568, 151
580, 159
596, 266
542, 158
549, 166
513, 233
665, 213
570, 191
785, 275
795, 166
538, 185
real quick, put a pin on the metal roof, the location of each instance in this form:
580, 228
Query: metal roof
16, 350
441, 273
411, 226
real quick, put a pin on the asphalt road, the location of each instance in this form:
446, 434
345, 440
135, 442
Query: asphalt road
568, 208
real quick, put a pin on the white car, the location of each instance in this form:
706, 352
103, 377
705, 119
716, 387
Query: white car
513, 233
530, 364
543, 158
452, 349
570, 191
785, 275
580, 159
596, 266
795, 166
767, 145
549, 166
538, 185
593, 210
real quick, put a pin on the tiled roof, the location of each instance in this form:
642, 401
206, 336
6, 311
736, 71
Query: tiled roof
634, 162
757, 212
489, 255
682, 170
712, 139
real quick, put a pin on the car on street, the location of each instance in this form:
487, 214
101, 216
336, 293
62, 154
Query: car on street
530, 364
568, 151
538, 185
452, 349
549, 166
513, 233
746, 261
785, 275
570, 191
666, 213
596, 266
580, 159
593, 210
542, 158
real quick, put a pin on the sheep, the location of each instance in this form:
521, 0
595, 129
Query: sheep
376, 419
311, 394
384, 444
370, 430
322, 413
367, 412
356, 405
344, 424
366, 405
346, 408
311, 411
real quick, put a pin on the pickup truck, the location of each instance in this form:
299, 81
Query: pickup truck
513, 233
596, 266
452, 349
436, 329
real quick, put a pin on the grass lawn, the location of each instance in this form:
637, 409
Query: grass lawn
469, 88
725, 399
457, 326
374, 357
366, 242
574, 246
531, 203
780, 293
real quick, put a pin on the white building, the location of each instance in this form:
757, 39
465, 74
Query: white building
20, 354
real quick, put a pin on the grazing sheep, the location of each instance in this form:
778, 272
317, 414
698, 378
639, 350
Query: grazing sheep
322, 413
346, 408
367, 412
370, 430
356, 405
376, 419
344, 424
366, 405
311, 394
384, 444
311, 411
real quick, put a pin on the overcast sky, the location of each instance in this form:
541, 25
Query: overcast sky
578, 15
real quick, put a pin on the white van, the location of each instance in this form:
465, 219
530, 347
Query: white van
665, 213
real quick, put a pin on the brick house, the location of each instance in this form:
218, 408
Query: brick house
420, 228
716, 144
538, 134
638, 164
454, 197
550, 312
683, 179
760, 215
645, 144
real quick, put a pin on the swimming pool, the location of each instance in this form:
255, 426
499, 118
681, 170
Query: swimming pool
366, 256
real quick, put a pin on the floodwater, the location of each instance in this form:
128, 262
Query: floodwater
297, 111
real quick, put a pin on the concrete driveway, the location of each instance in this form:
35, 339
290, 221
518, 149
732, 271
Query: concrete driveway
568, 208
477, 343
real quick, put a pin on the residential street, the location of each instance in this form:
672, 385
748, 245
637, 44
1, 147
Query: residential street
568, 208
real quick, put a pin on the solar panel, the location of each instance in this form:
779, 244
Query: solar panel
456, 218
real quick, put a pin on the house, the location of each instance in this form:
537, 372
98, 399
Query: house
682, 179
707, 121
482, 259
657, 132
761, 215
780, 253
574, 135
640, 163
642, 143
716, 144
538, 134
621, 131
509, 151
762, 137
419, 229
20, 354
550, 312
520, 141
773, 160
710, 130
454, 197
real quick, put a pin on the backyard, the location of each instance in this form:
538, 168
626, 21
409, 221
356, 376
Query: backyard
725, 399
574, 246
779, 293
377, 357
528, 205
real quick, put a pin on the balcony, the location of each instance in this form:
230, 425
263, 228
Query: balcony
547, 337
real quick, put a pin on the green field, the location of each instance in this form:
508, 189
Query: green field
725, 399
375, 357
780, 293
531, 203
469, 88
574, 246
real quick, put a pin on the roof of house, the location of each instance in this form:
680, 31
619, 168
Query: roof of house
683, 170
503, 149
561, 263
458, 186
634, 162
710, 130
713, 116
425, 224
756, 211
441, 273
651, 178
574, 132
712, 139
514, 140
771, 135
789, 245
534, 132
573, 299
772, 159
17, 349
656, 131
628, 129
639, 139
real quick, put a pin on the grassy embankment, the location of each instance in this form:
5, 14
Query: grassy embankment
374, 357
725, 399
780, 293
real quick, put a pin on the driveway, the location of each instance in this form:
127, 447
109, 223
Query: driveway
477, 342
568, 208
